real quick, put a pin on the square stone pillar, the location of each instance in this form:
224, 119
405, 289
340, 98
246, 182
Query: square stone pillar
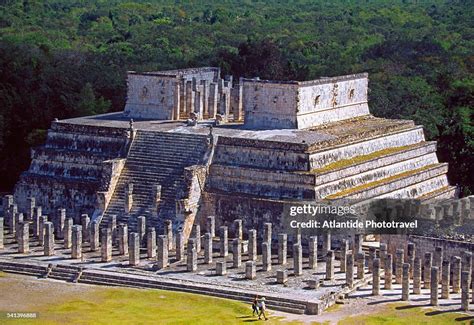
313, 252
236, 253
106, 244
162, 258
250, 270
24, 238
168, 232
357, 244
41, 221
37, 212
253, 245
11, 213
438, 259
48, 239
60, 220
405, 281
427, 265
350, 270
207, 248
297, 259
128, 201
19, 218
360, 265
326, 243
2, 245
94, 236
191, 262
238, 228
134, 249
372, 255
267, 233
76, 238
411, 252
189, 98
141, 228
382, 254
434, 286
85, 223
266, 256
68, 223
211, 226
112, 225
388, 266
179, 246
456, 274
417, 276
213, 100
465, 281
30, 208
445, 279
123, 239
282, 248
330, 265
282, 276
342, 257
224, 244
399, 258
151, 243
197, 235
221, 268
376, 277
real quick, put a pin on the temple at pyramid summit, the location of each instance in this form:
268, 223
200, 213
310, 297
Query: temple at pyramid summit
190, 144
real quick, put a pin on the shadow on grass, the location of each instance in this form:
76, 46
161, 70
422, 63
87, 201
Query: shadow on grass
462, 319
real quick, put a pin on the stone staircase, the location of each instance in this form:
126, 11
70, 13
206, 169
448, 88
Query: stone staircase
155, 158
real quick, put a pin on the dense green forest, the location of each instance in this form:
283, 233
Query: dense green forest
63, 58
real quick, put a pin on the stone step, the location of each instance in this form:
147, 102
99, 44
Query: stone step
386, 185
446, 192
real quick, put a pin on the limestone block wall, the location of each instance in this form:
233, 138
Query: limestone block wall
270, 105
332, 99
151, 96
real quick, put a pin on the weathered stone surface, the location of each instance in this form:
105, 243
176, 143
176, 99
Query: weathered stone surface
376, 277
298, 260
250, 270
282, 248
1, 233
24, 237
123, 239
208, 248
434, 286
94, 236
282, 276
417, 276
211, 225
252, 250
313, 252
196, 233
106, 244
238, 229
151, 243
48, 239
179, 246
221, 268
134, 249
168, 231
224, 242
266, 257
350, 270
388, 272
267, 232
162, 252
68, 223
85, 222
465, 281
456, 274
405, 281
76, 244
330, 265
399, 257
427, 270
445, 279
360, 265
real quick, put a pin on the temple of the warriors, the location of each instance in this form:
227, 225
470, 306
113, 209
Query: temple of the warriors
190, 144
188, 189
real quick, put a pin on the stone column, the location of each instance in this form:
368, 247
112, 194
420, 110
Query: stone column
134, 249
253, 245
191, 262
266, 257
434, 286
162, 258
24, 238
179, 246
151, 243
445, 280
236, 253
456, 274
123, 238
85, 222
383, 254
42, 220
350, 270
106, 244
197, 235
213, 92
141, 228
48, 239
94, 236
60, 219
282, 248
313, 252
207, 248
357, 244
267, 232
399, 265
76, 238
438, 259
411, 257
330, 265
282, 276
465, 281
168, 232
30, 206
342, 257
297, 236
417, 276
250, 270
238, 228
18, 221
360, 265
376, 277
221, 268
372, 255
38, 211
405, 281
326, 243
2, 245
224, 243
388, 272
427, 265
297, 259
466, 261
68, 223
211, 226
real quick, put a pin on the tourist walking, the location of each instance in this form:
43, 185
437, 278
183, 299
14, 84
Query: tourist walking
254, 306
261, 307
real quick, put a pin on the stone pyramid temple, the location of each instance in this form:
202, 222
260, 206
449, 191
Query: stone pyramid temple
190, 144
